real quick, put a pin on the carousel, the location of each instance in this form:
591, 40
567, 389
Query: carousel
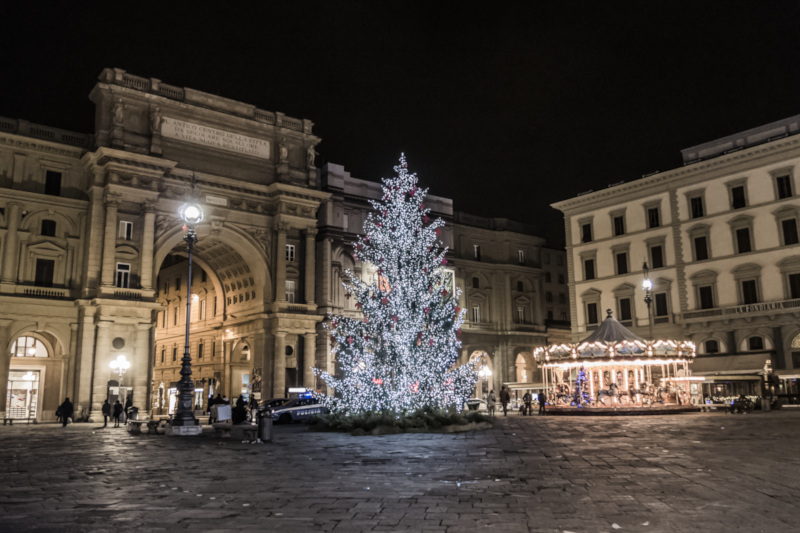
615, 371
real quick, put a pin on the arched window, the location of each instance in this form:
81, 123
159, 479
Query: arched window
28, 347
756, 343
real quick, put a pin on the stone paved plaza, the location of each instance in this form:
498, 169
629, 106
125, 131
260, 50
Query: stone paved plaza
709, 472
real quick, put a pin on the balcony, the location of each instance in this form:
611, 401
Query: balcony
759, 309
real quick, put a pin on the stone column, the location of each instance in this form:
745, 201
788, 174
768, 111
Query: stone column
311, 233
279, 366
280, 262
227, 348
5, 364
72, 359
309, 355
537, 302
324, 296
111, 202
100, 376
140, 372
11, 246
148, 235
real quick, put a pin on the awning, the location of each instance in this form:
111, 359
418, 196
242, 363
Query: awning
736, 377
524, 386
730, 365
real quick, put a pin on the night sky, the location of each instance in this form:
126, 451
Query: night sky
505, 108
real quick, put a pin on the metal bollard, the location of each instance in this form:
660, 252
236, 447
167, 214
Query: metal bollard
265, 427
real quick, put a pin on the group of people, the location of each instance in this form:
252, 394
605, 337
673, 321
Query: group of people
505, 399
66, 411
239, 411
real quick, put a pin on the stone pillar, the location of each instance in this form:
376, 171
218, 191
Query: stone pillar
111, 202
309, 354
537, 302
280, 262
324, 296
227, 348
279, 366
5, 364
11, 246
102, 372
311, 233
72, 360
148, 236
140, 372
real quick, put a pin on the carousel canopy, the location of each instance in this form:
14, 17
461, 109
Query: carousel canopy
612, 332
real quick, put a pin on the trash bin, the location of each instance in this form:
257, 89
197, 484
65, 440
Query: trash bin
265, 426
473, 404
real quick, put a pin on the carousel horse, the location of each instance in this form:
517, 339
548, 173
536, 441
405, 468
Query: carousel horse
612, 391
645, 395
562, 394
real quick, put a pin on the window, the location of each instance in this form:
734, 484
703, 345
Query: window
548, 278
794, 286
712, 346
588, 269
290, 253
561, 279
166, 287
28, 347
163, 355
653, 217
624, 309
705, 296
619, 225
749, 290
738, 198
123, 275
656, 256
743, 240
213, 350
789, 230
783, 184
202, 309
696, 206
476, 283
591, 314
477, 252
52, 183
45, 268
700, 248
346, 222
48, 228
178, 284
174, 354
200, 347
476, 314
586, 232
175, 313
125, 230
521, 315
548, 297
562, 298
756, 343
661, 308
290, 290
520, 286
622, 263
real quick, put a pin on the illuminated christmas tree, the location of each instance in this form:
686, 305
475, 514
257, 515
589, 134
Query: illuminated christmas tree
581, 396
401, 355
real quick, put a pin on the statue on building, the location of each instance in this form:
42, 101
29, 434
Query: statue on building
155, 119
283, 151
311, 157
119, 113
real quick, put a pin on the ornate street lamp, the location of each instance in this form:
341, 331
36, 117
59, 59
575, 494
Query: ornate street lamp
485, 374
120, 365
184, 422
647, 285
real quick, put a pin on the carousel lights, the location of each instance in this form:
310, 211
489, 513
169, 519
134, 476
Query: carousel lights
616, 362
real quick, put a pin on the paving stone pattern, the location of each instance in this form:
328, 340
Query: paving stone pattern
707, 472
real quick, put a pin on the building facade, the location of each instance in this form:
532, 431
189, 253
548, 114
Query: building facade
718, 238
93, 265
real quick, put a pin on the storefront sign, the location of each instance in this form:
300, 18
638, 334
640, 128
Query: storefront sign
215, 138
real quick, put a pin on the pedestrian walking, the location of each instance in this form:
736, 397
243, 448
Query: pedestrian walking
542, 402
490, 401
106, 412
505, 397
128, 407
528, 400
117, 413
65, 409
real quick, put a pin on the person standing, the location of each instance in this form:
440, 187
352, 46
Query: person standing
106, 412
66, 411
542, 402
117, 413
505, 397
528, 400
490, 401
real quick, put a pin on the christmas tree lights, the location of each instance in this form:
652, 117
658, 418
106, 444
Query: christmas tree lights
401, 354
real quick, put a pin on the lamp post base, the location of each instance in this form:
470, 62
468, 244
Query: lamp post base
183, 431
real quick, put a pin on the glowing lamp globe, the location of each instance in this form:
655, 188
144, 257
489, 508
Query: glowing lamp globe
191, 214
